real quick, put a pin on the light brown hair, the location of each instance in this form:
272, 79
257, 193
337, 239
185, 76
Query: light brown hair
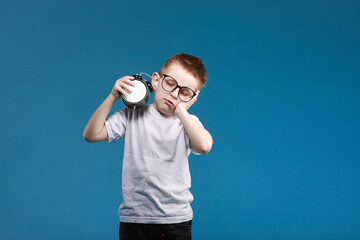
190, 63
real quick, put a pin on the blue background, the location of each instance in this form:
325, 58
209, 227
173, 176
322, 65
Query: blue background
282, 105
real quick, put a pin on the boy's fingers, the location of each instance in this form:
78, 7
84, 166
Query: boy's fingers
129, 82
127, 79
190, 103
128, 87
125, 89
124, 85
193, 100
122, 91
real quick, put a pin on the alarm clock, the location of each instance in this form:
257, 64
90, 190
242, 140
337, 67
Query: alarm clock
139, 95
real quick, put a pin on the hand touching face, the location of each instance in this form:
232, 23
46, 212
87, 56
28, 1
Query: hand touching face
185, 105
166, 102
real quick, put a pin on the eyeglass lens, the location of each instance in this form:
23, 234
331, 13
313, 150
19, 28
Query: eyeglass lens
169, 84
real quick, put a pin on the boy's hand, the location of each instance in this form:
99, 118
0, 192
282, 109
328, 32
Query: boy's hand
122, 86
184, 105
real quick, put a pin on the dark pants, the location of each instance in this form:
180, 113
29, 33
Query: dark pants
139, 231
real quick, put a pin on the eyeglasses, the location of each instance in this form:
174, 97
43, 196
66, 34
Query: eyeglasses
169, 84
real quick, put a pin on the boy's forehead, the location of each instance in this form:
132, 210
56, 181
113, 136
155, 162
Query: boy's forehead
182, 76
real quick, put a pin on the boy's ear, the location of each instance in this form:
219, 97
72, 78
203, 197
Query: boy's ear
155, 79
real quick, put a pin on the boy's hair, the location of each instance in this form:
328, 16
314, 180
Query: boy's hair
192, 64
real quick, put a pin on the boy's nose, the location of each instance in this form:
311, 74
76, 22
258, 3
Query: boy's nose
175, 93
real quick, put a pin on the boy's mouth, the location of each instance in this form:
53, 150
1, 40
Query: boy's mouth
168, 102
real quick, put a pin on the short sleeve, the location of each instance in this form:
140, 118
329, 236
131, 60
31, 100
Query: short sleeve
187, 137
116, 125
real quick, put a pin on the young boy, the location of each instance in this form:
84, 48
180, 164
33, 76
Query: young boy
158, 140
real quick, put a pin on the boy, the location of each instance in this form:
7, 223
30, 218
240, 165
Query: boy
158, 140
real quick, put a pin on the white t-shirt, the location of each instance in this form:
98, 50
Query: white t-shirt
156, 177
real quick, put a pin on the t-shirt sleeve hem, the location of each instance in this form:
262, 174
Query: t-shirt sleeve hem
110, 137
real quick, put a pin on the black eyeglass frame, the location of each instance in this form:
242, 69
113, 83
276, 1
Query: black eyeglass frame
177, 86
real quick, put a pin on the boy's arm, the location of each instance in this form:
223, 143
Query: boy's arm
200, 139
95, 130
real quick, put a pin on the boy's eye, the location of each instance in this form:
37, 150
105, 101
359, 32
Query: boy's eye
186, 92
170, 82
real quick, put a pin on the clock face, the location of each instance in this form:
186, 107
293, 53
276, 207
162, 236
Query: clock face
138, 92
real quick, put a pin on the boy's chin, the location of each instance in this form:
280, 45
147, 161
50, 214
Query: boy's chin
164, 110
167, 112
